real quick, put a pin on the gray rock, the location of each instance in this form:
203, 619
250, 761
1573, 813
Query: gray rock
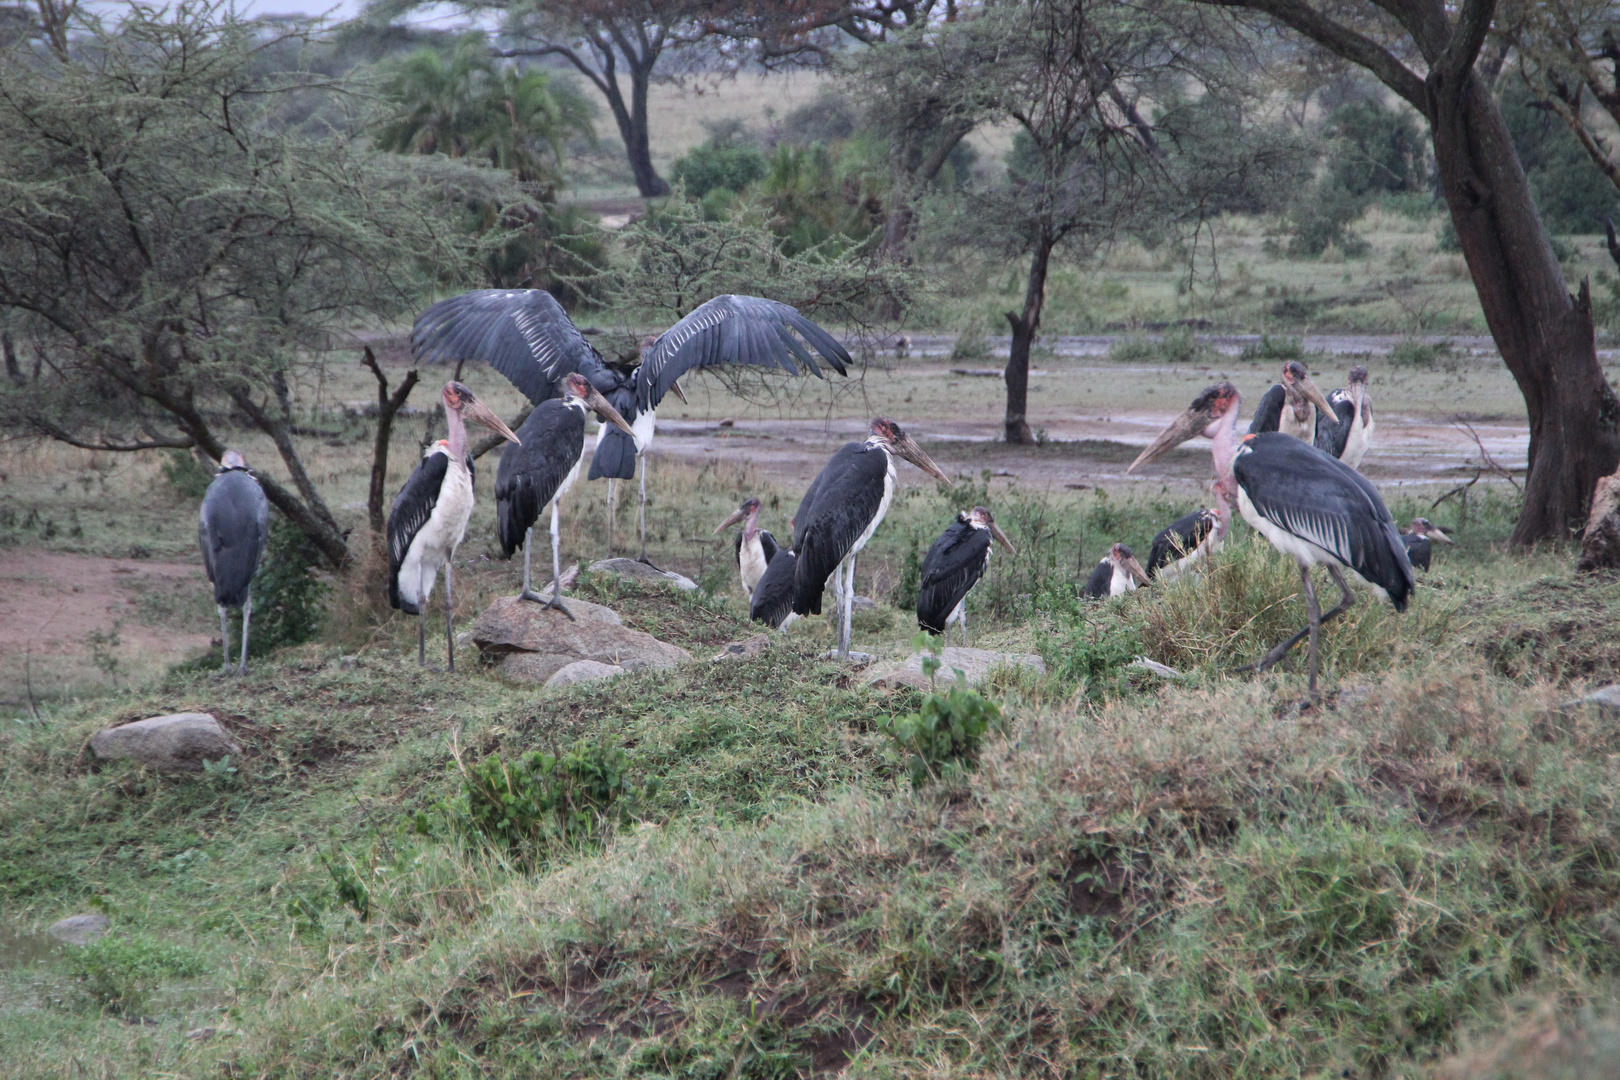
180, 742
1606, 699
746, 649
640, 571
862, 603
975, 664
582, 671
534, 642
78, 929
1153, 667
855, 656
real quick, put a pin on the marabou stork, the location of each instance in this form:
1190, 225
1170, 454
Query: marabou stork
1417, 537
1291, 406
1308, 504
233, 529
1348, 434
771, 602
1116, 574
539, 471
526, 336
953, 566
837, 516
1191, 538
756, 547
430, 514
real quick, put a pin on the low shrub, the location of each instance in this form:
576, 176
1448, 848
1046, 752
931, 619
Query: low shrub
1274, 348
119, 972
539, 800
289, 600
943, 736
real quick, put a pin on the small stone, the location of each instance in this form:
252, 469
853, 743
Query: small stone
974, 664
348, 662
862, 603
854, 656
1153, 667
1606, 699
640, 571
79, 929
746, 649
200, 1034
582, 671
180, 742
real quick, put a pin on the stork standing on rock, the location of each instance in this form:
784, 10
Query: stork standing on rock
233, 528
1116, 574
1291, 406
526, 336
953, 566
540, 470
1347, 431
1191, 538
429, 517
843, 508
756, 547
1308, 504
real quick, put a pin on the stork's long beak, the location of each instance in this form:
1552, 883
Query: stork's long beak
1433, 533
1134, 568
995, 531
479, 413
1314, 395
675, 388
609, 415
736, 517
907, 448
1189, 425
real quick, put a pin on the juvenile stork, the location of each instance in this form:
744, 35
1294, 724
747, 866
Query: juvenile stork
953, 566
837, 516
1347, 432
429, 517
526, 336
1417, 539
1191, 538
756, 547
1116, 574
1291, 406
539, 471
233, 529
1306, 503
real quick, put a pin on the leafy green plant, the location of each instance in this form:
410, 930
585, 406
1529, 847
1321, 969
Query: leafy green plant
1322, 216
1088, 651
944, 735
1415, 353
1274, 348
289, 601
119, 972
541, 799
714, 166
348, 884
186, 475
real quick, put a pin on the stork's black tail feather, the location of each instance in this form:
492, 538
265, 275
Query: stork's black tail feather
615, 457
773, 596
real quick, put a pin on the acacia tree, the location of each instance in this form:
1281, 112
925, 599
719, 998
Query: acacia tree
174, 261
1427, 52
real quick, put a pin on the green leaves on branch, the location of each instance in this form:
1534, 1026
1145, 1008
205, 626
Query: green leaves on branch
942, 738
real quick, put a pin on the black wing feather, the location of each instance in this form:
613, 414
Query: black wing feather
1321, 499
1268, 413
529, 474
412, 507
772, 602
1101, 578
1179, 537
522, 333
767, 544
1332, 435
1418, 550
847, 496
734, 330
951, 568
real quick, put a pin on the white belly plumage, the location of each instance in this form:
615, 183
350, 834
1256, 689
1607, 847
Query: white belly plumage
1305, 552
1290, 424
438, 539
1356, 446
751, 564
883, 508
1122, 582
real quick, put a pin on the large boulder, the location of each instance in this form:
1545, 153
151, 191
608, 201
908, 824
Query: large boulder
640, 571
975, 664
180, 742
78, 929
534, 642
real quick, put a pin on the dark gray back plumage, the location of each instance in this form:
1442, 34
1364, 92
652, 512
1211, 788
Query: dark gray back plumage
527, 479
951, 568
772, 601
1097, 585
1268, 413
847, 494
411, 509
1333, 434
1179, 537
615, 456
233, 528
1321, 499
1419, 550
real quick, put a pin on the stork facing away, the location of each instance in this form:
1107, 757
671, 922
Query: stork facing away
429, 517
1191, 538
1291, 406
1347, 431
1116, 574
540, 470
953, 566
233, 528
526, 336
1306, 503
756, 547
771, 601
1417, 539
843, 508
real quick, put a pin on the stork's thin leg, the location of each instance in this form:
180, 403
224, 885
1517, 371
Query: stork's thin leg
528, 592
642, 514
556, 566
612, 507
247, 617
849, 610
225, 635
1313, 608
1347, 600
964, 623
421, 620
449, 619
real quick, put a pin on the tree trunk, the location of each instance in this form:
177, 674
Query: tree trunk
388, 406
1025, 325
1544, 334
636, 144
908, 178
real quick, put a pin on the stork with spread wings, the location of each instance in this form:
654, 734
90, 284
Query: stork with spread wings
525, 335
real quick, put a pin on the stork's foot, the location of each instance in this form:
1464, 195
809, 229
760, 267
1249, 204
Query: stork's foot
225, 671
643, 559
554, 602
530, 594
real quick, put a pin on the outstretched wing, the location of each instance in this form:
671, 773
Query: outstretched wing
735, 330
522, 333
